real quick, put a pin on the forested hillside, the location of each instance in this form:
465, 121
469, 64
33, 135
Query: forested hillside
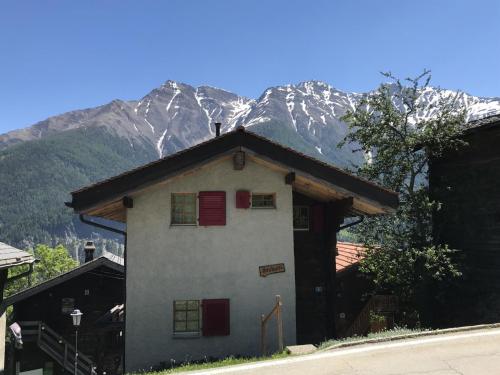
37, 176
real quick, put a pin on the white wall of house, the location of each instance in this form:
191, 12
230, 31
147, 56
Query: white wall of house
167, 263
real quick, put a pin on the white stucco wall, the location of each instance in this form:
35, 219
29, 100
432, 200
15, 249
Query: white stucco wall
167, 263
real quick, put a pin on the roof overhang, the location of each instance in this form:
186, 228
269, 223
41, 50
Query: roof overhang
82, 269
485, 123
312, 177
11, 257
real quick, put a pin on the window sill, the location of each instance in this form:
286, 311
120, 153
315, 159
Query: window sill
186, 335
183, 225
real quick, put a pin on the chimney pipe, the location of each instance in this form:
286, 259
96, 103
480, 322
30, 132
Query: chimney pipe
89, 249
217, 128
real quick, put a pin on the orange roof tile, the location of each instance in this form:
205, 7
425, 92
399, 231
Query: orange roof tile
348, 254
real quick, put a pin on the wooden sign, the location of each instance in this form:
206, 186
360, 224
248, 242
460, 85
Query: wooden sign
271, 268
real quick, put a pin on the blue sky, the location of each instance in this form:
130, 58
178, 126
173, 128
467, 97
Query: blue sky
57, 56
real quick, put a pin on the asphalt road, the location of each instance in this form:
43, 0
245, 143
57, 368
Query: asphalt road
465, 353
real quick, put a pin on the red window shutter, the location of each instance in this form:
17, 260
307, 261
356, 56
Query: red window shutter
215, 317
242, 199
318, 218
212, 208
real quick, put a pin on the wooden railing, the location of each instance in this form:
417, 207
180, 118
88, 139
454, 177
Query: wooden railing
376, 304
56, 347
279, 323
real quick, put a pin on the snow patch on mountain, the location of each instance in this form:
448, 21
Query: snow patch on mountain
176, 92
159, 144
209, 119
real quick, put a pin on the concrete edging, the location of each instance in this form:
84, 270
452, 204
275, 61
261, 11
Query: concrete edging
411, 335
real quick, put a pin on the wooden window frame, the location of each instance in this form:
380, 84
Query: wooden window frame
187, 333
195, 223
274, 206
308, 219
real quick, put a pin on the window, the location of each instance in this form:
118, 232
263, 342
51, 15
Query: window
67, 305
263, 200
212, 208
183, 209
300, 218
186, 316
215, 317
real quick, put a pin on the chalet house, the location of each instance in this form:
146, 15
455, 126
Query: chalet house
47, 333
466, 183
215, 232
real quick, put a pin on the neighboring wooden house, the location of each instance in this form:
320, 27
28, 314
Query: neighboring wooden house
467, 182
10, 257
215, 232
355, 304
351, 286
42, 311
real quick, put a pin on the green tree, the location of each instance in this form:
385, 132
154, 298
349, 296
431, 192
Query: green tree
51, 262
398, 142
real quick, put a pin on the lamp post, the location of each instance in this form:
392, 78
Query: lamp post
76, 315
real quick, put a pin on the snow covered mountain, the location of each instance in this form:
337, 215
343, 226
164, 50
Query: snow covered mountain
176, 115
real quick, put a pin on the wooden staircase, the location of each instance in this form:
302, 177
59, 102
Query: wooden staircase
54, 345
380, 304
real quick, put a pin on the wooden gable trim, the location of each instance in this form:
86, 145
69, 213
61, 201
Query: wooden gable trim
113, 210
129, 182
309, 185
84, 268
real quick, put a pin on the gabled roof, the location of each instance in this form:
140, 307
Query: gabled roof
348, 255
10, 256
484, 123
104, 198
102, 261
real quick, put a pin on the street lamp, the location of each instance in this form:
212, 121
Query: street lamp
76, 315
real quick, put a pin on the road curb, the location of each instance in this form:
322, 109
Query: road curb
410, 335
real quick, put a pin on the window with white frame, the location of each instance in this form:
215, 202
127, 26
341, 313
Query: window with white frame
183, 209
263, 200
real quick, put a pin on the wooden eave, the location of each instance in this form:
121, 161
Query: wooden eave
11, 256
313, 177
322, 190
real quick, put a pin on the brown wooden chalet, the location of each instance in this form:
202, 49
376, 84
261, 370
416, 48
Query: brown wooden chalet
47, 334
327, 194
466, 183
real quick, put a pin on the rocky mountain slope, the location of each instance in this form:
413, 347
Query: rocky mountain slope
176, 115
41, 164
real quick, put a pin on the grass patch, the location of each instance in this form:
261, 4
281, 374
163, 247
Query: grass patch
229, 361
397, 331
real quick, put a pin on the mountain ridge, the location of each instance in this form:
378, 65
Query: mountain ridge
155, 117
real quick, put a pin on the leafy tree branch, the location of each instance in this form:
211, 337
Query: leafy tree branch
398, 142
